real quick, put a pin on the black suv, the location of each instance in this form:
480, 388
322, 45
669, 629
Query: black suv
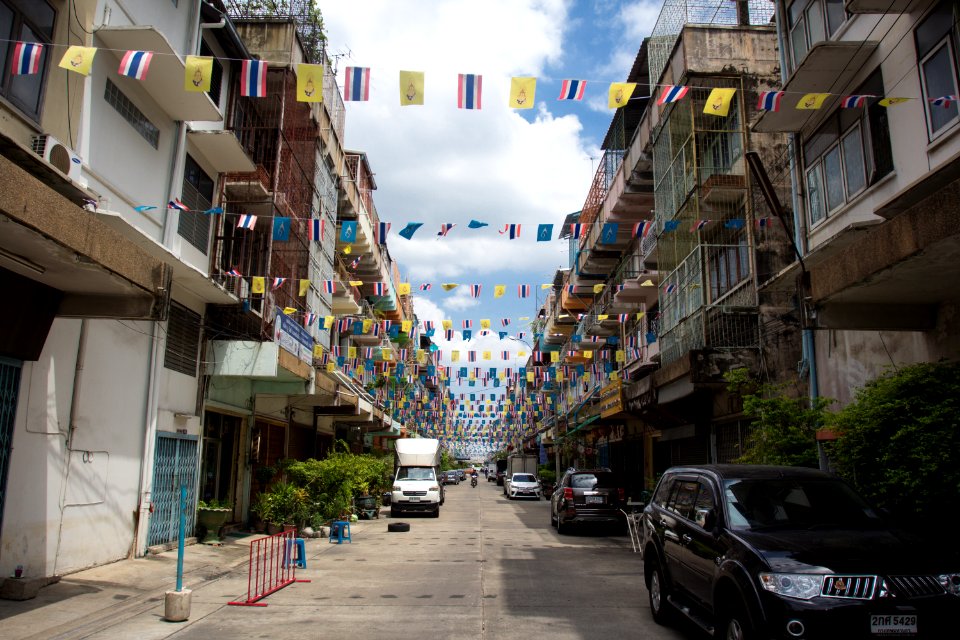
781, 552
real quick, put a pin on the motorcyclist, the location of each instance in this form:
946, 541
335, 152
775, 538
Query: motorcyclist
473, 478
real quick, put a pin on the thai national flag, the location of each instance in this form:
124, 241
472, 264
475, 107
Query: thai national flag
277, 283
356, 85
576, 229
475, 290
505, 355
670, 288
763, 223
571, 288
253, 78
330, 286
379, 288
382, 232
309, 319
943, 101
235, 273
623, 317
387, 324
445, 229
699, 224
176, 204
672, 93
471, 356
504, 322
469, 89
316, 229
523, 290
855, 102
467, 324
428, 325
572, 89
135, 64
513, 230
26, 58
770, 100
426, 286
247, 221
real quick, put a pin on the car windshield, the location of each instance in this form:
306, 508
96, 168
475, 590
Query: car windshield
600, 480
524, 477
795, 504
416, 473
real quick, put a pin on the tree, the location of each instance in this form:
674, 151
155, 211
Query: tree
784, 427
898, 443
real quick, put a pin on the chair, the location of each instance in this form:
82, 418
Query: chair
298, 546
340, 531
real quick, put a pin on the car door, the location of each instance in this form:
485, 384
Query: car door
557, 495
674, 524
703, 550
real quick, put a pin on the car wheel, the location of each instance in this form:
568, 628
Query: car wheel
398, 527
736, 624
660, 608
435, 514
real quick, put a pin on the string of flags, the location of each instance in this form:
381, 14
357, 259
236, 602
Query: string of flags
198, 73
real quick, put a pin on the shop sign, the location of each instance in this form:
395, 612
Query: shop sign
614, 433
611, 399
641, 395
294, 338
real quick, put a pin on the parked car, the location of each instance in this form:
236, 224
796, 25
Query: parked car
587, 496
449, 477
758, 552
462, 474
523, 485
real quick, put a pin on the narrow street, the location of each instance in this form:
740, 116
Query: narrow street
487, 568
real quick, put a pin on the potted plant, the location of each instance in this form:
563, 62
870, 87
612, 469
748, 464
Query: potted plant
290, 506
211, 516
263, 508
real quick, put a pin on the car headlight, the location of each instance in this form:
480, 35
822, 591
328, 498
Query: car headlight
397, 488
950, 582
803, 586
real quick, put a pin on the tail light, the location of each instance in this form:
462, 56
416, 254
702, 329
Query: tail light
568, 493
620, 494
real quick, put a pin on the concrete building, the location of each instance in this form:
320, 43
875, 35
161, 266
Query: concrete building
875, 187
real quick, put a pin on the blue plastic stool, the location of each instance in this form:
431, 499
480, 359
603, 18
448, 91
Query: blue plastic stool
340, 531
296, 545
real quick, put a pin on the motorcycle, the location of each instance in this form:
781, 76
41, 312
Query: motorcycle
473, 481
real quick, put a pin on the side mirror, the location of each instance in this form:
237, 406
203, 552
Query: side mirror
707, 519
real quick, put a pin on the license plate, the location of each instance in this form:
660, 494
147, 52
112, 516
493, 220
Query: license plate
415, 499
594, 499
893, 625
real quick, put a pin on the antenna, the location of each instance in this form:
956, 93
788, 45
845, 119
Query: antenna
347, 53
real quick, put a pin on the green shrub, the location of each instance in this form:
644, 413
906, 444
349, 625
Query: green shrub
334, 482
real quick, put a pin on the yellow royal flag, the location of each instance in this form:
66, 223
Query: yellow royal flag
411, 88
718, 102
620, 93
356, 283
560, 376
367, 325
351, 352
406, 325
317, 351
310, 83
289, 311
447, 324
597, 288
449, 286
484, 324
521, 354
304, 287
647, 283
641, 314
889, 102
327, 322
614, 375
499, 290
199, 70
523, 92
812, 101
386, 354
531, 378
78, 59
621, 356
331, 366
545, 286
257, 284
403, 288
588, 355
421, 354
602, 316
554, 356
487, 355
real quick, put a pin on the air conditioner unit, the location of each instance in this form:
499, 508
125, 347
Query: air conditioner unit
58, 154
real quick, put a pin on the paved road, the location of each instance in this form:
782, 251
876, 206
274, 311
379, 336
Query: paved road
487, 568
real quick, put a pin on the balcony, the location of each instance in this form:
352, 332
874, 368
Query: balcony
221, 149
828, 67
164, 83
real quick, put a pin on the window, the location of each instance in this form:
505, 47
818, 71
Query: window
937, 40
729, 266
663, 492
216, 76
810, 22
131, 114
26, 21
183, 340
704, 504
847, 154
682, 503
197, 194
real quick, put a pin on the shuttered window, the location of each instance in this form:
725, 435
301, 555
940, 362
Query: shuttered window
183, 340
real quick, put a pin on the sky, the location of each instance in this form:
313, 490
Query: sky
438, 164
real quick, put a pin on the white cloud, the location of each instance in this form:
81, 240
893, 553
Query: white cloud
436, 163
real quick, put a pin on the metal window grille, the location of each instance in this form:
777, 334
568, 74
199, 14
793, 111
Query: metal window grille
116, 99
197, 193
183, 340
9, 393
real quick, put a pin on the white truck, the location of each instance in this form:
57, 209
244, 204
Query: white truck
518, 463
416, 487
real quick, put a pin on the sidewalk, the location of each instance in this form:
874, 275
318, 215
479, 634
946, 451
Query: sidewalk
130, 593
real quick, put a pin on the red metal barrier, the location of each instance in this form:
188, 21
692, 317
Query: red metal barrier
272, 567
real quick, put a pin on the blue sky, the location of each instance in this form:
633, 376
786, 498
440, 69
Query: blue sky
438, 164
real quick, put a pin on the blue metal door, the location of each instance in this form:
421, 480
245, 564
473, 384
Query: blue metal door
9, 391
175, 463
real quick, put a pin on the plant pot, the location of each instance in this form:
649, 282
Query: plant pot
289, 527
212, 520
273, 528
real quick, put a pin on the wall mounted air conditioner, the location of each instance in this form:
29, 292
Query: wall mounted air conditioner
59, 155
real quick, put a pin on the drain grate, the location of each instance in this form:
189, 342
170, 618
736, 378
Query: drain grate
388, 595
457, 596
